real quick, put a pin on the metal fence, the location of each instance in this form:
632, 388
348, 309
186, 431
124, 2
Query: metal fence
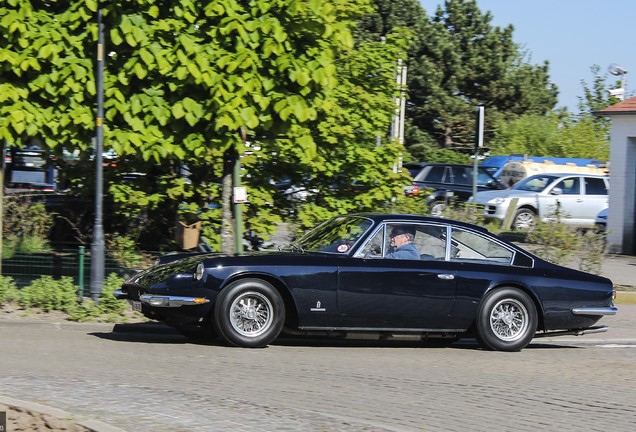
75, 263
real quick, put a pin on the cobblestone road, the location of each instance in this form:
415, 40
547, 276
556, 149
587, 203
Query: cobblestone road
161, 382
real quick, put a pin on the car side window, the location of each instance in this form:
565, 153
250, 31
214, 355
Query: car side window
435, 174
595, 186
428, 239
473, 247
461, 176
570, 186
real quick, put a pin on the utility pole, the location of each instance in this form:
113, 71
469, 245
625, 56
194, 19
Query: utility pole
3, 143
97, 247
479, 143
239, 196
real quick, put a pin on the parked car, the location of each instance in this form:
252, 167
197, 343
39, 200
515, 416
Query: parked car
600, 223
577, 198
337, 280
444, 183
495, 165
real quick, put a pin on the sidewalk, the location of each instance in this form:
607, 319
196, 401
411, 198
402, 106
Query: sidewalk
621, 269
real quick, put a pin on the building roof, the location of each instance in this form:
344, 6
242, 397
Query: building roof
626, 107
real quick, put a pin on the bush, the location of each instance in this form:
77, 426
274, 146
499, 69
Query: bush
107, 302
109, 308
26, 226
49, 295
8, 290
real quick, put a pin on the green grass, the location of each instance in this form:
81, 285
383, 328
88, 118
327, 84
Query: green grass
625, 297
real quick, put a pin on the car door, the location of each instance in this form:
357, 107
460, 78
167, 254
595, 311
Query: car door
462, 182
595, 199
381, 293
562, 201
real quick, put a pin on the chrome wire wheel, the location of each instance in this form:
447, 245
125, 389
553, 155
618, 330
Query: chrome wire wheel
251, 314
509, 320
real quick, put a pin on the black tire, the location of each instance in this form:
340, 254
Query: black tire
249, 313
525, 219
506, 320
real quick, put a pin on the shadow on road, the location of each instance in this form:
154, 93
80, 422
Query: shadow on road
157, 333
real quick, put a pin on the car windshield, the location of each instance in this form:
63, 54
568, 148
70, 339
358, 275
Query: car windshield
484, 178
535, 183
337, 235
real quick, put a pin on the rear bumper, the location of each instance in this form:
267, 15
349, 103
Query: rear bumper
596, 311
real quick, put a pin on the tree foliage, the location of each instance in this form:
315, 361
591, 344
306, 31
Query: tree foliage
182, 79
556, 135
460, 61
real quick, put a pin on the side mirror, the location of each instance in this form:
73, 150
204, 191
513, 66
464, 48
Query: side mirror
556, 191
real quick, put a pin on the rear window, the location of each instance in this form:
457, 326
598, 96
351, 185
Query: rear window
595, 186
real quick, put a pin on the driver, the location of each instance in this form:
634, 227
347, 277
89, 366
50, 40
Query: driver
401, 247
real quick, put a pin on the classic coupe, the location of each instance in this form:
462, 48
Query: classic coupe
343, 278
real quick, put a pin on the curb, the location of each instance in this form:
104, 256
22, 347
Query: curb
92, 424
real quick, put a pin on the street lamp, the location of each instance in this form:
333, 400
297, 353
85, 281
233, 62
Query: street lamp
617, 70
97, 247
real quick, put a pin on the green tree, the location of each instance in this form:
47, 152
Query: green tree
561, 133
182, 79
556, 135
457, 61
596, 97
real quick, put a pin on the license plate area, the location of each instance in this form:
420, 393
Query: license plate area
136, 305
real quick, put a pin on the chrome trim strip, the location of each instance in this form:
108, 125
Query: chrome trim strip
609, 310
170, 301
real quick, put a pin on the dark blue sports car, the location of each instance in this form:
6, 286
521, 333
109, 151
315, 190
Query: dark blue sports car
450, 280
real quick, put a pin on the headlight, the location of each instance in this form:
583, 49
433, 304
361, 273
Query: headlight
499, 200
198, 273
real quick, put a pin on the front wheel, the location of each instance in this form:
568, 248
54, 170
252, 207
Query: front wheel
249, 313
437, 207
506, 320
525, 219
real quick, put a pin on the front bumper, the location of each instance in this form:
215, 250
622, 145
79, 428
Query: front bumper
164, 300
492, 211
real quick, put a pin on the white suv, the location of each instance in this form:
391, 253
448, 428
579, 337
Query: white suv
578, 198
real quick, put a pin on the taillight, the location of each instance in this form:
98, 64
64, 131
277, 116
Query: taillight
614, 292
416, 190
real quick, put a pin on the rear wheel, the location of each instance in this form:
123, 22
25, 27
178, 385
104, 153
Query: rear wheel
525, 219
506, 320
249, 313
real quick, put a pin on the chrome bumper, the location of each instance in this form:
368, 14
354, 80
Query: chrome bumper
610, 310
163, 300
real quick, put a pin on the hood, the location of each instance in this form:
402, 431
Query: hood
484, 197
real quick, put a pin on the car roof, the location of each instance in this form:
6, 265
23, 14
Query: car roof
381, 217
559, 175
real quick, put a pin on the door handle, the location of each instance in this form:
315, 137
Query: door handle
446, 276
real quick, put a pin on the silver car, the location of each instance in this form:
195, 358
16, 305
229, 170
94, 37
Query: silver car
575, 198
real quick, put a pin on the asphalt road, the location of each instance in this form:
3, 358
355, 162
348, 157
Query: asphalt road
145, 378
